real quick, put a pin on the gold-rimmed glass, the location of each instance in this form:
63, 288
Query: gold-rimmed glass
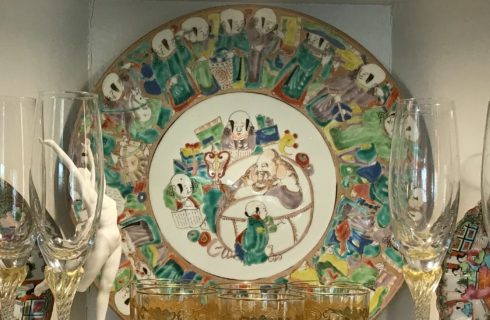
166, 299
342, 301
257, 304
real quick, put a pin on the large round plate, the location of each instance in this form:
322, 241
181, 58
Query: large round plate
250, 143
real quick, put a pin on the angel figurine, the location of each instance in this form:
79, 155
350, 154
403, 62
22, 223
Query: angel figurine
106, 253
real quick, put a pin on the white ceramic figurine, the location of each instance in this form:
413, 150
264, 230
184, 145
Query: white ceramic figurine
106, 254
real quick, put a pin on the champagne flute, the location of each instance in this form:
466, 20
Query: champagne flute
16, 227
67, 188
424, 192
485, 176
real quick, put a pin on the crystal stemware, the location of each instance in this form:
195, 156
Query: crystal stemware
16, 227
424, 192
67, 187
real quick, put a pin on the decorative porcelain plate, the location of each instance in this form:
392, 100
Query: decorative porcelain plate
464, 290
250, 143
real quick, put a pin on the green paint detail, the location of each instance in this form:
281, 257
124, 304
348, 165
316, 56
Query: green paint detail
348, 173
255, 240
383, 217
143, 130
322, 267
170, 270
211, 135
372, 250
133, 203
367, 155
122, 279
193, 235
171, 75
113, 179
140, 53
210, 207
382, 295
364, 275
108, 144
371, 130
394, 256
298, 72
170, 198
378, 191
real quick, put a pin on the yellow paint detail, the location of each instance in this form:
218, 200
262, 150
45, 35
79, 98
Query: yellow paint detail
376, 299
340, 264
356, 109
260, 230
305, 274
348, 158
352, 60
290, 27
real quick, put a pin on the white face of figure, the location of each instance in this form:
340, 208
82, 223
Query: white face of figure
232, 21
182, 185
370, 75
317, 42
196, 29
112, 87
266, 167
256, 207
163, 43
121, 299
411, 130
136, 99
389, 123
239, 123
127, 244
143, 113
265, 20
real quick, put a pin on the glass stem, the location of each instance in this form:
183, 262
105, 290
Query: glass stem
422, 284
10, 280
63, 285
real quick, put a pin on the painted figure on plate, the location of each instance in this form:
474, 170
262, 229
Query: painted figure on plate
233, 45
346, 90
196, 31
314, 55
251, 243
239, 135
125, 105
168, 70
265, 41
273, 176
183, 197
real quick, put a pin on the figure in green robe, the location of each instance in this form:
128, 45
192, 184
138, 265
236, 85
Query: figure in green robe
168, 70
233, 44
196, 32
251, 243
312, 58
370, 131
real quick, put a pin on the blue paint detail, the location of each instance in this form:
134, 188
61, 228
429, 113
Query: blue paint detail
267, 135
370, 173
